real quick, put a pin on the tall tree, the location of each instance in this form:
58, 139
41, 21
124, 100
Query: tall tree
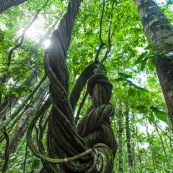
6, 4
159, 32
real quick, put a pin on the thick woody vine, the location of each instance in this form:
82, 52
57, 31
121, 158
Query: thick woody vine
87, 146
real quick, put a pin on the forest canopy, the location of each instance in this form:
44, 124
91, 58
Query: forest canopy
86, 86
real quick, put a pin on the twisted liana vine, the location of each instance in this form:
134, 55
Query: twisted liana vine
90, 145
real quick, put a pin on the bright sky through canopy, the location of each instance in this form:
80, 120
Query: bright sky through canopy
161, 1
35, 31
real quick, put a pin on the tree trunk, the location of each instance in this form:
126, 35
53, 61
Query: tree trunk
120, 141
6, 4
128, 138
22, 126
151, 147
159, 32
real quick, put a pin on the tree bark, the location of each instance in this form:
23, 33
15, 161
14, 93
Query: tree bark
6, 4
159, 32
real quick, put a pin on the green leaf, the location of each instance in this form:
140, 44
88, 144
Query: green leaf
120, 79
124, 75
162, 117
141, 57
35, 163
153, 108
159, 114
143, 64
143, 89
150, 64
151, 118
142, 109
149, 47
130, 83
138, 93
131, 92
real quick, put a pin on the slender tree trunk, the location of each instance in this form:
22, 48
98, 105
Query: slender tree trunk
22, 126
159, 32
153, 154
120, 145
128, 138
161, 139
20, 130
6, 4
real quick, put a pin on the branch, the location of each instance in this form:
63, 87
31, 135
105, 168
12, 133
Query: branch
80, 107
7, 121
101, 21
100, 33
106, 54
80, 84
109, 37
6, 4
